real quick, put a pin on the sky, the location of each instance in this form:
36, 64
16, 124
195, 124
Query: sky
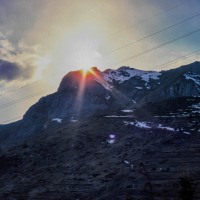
42, 40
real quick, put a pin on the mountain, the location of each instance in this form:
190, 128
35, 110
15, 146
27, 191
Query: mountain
150, 86
104, 92
116, 134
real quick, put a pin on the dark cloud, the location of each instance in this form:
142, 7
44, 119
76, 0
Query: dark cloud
12, 71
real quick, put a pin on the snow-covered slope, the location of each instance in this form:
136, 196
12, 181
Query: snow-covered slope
125, 73
194, 77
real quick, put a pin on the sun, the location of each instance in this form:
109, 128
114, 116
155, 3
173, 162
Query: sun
86, 70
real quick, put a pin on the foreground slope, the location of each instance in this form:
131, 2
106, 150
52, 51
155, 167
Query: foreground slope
129, 154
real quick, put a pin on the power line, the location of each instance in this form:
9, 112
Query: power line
150, 18
18, 101
22, 99
175, 60
160, 31
19, 88
159, 46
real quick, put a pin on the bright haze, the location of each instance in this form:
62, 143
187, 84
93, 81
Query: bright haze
42, 40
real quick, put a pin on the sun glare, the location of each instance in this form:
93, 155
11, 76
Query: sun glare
86, 70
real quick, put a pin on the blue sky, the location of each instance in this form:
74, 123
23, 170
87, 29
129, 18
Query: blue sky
41, 39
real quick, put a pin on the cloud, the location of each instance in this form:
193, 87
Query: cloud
1, 35
97, 54
6, 48
20, 62
13, 71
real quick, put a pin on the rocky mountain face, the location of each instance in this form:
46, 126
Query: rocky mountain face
98, 93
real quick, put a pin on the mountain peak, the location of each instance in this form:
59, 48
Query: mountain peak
193, 67
75, 78
125, 68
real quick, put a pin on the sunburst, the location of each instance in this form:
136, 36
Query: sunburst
86, 70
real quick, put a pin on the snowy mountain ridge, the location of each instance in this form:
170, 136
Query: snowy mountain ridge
125, 73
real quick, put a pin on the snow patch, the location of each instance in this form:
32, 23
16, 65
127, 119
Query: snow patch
107, 97
194, 77
139, 88
142, 125
185, 132
105, 84
127, 111
57, 120
146, 125
133, 101
164, 116
73, 120
121, 116
148, 87
196, 111
138, 124
166, 128
196, 107
126, 162
111, 141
